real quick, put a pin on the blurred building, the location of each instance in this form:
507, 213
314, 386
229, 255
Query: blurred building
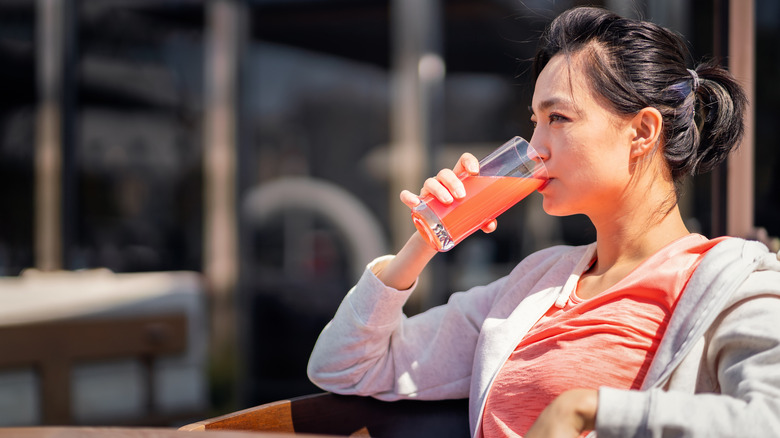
263, 143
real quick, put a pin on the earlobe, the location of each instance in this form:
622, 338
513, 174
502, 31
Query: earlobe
646, 126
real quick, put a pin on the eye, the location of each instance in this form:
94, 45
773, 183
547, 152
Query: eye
557, 118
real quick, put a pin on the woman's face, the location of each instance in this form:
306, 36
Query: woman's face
585, 146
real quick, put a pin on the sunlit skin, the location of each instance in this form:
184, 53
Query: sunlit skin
603, 165
586, 147
607, 167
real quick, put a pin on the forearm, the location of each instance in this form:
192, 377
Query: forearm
354, 345
744, 353
371, 348
660, 413
357, 338
402, 271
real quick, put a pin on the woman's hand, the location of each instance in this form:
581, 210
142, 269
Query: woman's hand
570, 414
447, 187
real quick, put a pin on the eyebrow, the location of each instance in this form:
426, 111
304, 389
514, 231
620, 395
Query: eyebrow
547, 104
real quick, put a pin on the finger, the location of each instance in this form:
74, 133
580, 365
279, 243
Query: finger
435, 188
490, 226
410, 199
452, 183
467, 164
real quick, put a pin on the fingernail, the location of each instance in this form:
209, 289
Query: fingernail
460, 192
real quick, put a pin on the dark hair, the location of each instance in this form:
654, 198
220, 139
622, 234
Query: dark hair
637, 64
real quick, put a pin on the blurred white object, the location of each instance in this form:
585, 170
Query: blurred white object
115, 390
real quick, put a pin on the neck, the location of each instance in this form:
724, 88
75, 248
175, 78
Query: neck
625, 239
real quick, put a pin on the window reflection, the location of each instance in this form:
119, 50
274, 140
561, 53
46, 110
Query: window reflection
139, 150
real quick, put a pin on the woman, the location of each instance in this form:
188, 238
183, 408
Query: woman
599, 337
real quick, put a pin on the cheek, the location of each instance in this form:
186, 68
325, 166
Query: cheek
578, 166
589, 154
585, 181
602, 164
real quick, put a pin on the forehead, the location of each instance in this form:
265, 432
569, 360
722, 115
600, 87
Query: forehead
562, 84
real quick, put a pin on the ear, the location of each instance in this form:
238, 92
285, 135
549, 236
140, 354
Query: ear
646, 131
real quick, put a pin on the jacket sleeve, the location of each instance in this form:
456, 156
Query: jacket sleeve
743, 354
371, 348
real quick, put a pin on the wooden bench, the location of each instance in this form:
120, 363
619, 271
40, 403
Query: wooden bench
53, 348
339, 415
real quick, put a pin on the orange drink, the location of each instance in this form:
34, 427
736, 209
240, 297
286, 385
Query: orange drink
504, 179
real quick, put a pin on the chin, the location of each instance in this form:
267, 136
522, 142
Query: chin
556, 213
549, 206
557, 209
552, 211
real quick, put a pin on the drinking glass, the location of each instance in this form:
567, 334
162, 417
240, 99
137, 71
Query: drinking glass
506, 176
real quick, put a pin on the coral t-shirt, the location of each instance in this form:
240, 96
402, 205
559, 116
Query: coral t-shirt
607, 340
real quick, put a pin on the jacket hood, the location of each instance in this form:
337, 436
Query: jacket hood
714, 286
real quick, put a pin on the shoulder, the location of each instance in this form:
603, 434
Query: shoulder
765, 277
748, 262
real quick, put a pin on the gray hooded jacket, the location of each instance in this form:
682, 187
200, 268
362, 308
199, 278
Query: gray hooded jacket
715, 374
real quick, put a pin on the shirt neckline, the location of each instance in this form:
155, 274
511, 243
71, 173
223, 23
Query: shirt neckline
591, 257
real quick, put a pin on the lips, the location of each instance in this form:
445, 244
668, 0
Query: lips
544, 184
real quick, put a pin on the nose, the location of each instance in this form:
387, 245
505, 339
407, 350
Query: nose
542, 152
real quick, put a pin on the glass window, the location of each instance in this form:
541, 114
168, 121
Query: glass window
17, 135
767, 113
315, 123
138, 152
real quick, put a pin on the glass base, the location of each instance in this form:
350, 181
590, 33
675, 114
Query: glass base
429, 225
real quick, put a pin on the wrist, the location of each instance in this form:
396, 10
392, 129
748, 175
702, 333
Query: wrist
418, 244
